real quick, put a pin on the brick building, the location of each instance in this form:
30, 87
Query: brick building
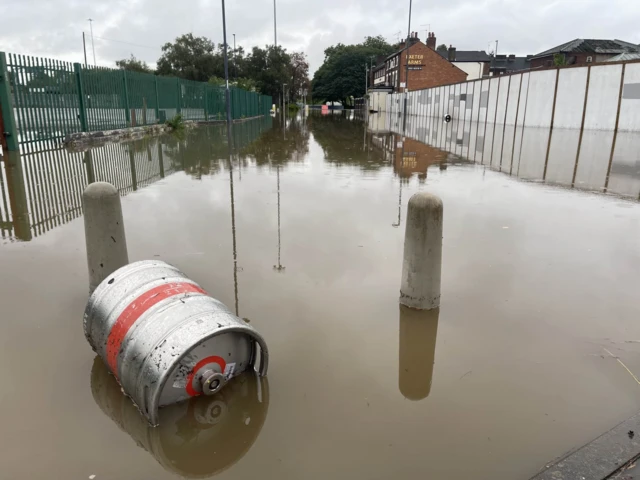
581, 51
427, 68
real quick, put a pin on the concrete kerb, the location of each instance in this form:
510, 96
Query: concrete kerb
601, 458
81, 141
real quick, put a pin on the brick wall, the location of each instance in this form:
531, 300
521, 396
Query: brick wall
435, 70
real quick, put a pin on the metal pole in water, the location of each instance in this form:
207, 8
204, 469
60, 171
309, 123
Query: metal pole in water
104, 232
226, 69
422, 263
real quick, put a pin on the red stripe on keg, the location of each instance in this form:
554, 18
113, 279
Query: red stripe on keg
135, 310
205, 361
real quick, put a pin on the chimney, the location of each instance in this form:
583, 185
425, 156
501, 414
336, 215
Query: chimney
452, 54
431, 40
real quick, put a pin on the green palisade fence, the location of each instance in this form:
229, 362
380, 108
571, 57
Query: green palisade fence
51, 99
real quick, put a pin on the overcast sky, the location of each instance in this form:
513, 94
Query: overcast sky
53, 28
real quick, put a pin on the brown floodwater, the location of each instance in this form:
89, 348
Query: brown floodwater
302, 234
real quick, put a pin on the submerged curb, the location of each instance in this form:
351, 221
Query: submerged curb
600, 458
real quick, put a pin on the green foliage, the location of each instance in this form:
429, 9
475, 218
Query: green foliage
559, 60
293, 107
217, 81
189, 57
176, 123
442, 48
134, 65
248, 84
263, 69
343, 72
269, 68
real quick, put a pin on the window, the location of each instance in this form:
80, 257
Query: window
589, 59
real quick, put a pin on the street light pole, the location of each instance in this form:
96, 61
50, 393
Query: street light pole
84, 47
366, 79
93, 46
406, 75
235, 62
226, 73
275, 32
284, 103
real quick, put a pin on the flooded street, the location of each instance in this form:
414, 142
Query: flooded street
303, 236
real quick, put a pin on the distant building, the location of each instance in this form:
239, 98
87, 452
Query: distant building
624, 57
503, 64
478, 63
475, 62
427, 68
581, 51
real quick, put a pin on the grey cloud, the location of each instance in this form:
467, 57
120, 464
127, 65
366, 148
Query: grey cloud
53, 28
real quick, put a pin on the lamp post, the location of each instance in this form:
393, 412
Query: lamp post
84, 47
275, 32
406, 74
284, 104
235, 61
226, 72
93, 46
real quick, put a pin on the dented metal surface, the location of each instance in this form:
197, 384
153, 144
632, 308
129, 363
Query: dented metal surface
164, 339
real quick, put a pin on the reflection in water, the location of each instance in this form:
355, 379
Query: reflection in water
338, 136
196, 439
42, 190
278, 267
276, 147
591, 161
418, 331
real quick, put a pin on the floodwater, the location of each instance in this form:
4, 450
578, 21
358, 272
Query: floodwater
303, 236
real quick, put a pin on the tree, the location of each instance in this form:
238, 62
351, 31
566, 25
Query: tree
559, 60
342, 73
442, 48
299, 72
192, 58
217, 81
263, 69
247, 84
133, 64
270, 68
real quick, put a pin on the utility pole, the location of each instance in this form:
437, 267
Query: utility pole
275, 32
235, 62
93, 45
84, 47
284, 103
226, 73
406, 75
366, 79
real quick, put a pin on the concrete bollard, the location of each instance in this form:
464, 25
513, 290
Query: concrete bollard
421, 268
418, 332
104, 232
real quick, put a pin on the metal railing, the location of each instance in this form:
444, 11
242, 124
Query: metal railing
42, 190
43, 100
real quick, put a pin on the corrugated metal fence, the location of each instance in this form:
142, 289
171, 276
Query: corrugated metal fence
42, 100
